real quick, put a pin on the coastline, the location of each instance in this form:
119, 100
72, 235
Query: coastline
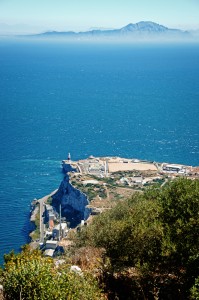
95, 177
37, 205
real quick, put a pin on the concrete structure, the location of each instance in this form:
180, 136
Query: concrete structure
51, 216
173, 168
85, 182
124, 180
49, 208
57, 234
49, 252
135, 180
116, 165
49, 213
51, 245
69, 157
51, 224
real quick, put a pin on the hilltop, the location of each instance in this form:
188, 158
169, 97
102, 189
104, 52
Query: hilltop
144, 30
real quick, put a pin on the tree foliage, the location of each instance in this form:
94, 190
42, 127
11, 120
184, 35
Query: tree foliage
31, 276
180, 218
195, 290
130, 233
156, 231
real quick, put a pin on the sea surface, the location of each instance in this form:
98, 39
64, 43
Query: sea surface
139, 101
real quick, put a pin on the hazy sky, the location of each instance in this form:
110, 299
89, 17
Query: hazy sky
83, 14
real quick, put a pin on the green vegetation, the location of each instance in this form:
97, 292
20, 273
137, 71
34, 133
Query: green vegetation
156, 235
195, 290
36, 233
49, 200
146, 247
31, 276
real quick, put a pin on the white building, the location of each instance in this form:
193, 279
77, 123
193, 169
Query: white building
173, 168
49, 252
56, 231
51, 245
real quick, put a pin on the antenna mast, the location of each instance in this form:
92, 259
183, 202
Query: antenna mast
60, 229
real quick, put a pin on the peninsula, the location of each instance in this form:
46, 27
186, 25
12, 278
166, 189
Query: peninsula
91, 186
142, 245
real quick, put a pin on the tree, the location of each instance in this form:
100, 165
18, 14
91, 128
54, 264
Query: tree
180, 218
156, 233
195, 290
131, 232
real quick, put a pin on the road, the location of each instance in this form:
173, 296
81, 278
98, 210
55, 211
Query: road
41, 209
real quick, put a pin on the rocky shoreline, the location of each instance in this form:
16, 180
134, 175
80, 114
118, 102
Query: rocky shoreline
107, 177
73, 207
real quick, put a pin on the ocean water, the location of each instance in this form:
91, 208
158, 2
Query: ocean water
139, 101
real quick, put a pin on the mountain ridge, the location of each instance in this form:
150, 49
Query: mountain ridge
140, 30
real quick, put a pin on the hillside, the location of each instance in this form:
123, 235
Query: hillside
146, 247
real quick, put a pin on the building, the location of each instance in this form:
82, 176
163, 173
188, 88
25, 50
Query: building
49, 213
57, 234
51, 224
51, 245
173, 168
137, 180
49, 252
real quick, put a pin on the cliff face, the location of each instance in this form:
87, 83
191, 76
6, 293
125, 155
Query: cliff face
73, 203
68, 168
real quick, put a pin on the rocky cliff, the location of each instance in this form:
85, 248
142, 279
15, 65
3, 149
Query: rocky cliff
66, 167
73, 203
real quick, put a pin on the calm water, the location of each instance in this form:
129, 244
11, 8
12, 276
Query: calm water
133, 101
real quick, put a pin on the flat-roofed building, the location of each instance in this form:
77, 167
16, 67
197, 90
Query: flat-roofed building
172, 168
49, 252
136, 180
51, 244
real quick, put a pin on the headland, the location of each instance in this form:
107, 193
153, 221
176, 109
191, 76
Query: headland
91, 186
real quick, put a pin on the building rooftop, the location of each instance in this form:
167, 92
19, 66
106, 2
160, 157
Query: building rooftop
63, 226
51, 242
49, 252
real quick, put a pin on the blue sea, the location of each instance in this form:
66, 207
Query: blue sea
139, 101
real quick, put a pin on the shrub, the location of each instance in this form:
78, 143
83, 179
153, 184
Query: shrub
31, 276
195, 290
180, 218
130, 232
156, 233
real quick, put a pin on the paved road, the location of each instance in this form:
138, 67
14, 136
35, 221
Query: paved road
42, 208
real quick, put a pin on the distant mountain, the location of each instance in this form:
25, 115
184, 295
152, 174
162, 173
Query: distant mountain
149, 27
144, 30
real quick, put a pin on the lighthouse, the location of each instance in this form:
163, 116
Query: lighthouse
69, 157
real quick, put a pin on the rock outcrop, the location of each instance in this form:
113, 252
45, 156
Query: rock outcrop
73, 202
66, 167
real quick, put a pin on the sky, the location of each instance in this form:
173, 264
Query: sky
81, 15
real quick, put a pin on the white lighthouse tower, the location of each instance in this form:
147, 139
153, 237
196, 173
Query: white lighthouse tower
69, 157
